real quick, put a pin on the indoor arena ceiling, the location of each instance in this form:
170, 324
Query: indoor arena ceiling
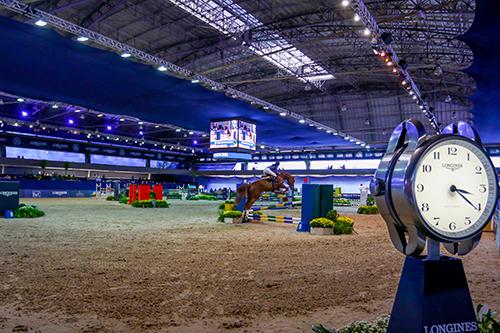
313, 58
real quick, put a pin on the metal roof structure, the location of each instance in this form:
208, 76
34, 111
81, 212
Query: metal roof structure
359, 67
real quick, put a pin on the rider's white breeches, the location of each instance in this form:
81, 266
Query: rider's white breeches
269, 172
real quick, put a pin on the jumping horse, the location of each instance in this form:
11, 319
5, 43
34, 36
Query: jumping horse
252, 192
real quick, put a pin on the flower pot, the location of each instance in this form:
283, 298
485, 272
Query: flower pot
321, 231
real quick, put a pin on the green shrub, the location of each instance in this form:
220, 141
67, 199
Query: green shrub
370, 201
222, 206
201, 197
343, 226
233, 214
380, 325
368, 210
123, 200
150, 204
341, 202
229, 202
486, 320
321, 222
174, 195
332, 215
27, 212
152, 195
110, 198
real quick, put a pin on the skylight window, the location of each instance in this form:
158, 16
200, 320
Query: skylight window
231, 19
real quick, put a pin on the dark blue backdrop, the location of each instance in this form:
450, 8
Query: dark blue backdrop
39, 63
484, 39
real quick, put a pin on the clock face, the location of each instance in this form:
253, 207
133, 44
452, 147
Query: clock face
454, 188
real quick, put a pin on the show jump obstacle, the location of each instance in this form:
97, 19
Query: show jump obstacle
142, 192
316, 202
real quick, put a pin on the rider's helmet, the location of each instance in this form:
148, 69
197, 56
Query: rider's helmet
277, 164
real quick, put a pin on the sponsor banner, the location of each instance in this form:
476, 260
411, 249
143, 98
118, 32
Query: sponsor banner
56, 193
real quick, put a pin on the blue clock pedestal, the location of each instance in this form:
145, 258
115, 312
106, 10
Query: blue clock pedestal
432, 297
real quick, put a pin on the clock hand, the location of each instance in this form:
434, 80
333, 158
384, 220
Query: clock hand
453, 188
462, 191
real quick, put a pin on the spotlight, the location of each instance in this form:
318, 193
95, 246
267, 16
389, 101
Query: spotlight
302, 121
77, 111
282, 114
366, 31
411, 92
125, 55
71, 121
41, 23
389, 63
162, 68
438, 71
404, 82
20, 100
191, 133
141, 133
55, 106
24, 113
204, 135
382, 54
394, 70
109, 128
266, 107
178, 130
82, 39
141, 123
262, 147
195, 142
122, 120
356, 18
345, 3
157, 126
195, 80
100, 115
414, 97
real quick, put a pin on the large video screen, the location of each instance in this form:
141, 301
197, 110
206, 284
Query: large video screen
247, 135
233, 134
224, 134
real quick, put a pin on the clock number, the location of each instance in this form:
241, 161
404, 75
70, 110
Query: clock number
452, 226
426, 168
437, 219
479, 206
482, 188
420, 188
468, 156
437, 155
452, 151
468, 221
479, 170
425, 207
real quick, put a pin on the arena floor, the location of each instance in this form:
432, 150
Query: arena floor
97, 266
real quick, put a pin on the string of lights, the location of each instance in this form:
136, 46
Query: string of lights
381, 46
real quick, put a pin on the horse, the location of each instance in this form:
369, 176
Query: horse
253, 191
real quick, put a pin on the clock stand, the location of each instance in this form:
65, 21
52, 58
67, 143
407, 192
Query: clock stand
432, 292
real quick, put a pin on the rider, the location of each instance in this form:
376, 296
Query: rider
272, 171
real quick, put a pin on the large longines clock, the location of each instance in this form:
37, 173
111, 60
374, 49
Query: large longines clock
442, 187
432, 189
